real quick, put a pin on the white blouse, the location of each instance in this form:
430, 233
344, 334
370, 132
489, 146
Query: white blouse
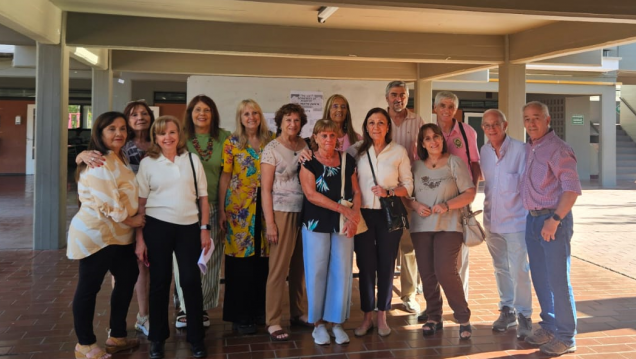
392, 169
169, 188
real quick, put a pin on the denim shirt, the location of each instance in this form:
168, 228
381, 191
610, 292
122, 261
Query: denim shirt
503, 208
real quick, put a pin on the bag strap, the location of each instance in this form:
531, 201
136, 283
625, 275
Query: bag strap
343, 163
461, 128
371, 165
196, 186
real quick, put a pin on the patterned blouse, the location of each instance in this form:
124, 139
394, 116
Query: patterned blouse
108, 195
328, 183
240, 199
134, 155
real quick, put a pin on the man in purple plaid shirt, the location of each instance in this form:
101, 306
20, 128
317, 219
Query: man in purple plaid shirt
548, 191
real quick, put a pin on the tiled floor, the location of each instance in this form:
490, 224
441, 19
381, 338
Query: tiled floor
36, 289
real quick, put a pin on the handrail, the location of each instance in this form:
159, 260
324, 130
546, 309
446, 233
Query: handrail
628, 105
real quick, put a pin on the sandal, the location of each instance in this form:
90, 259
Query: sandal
299, 322
142, 325
465, 329
120, 344
92, 351
430, 328
276, 334
181, 320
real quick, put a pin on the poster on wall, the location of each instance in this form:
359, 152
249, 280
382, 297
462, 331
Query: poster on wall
271, 123
312, 102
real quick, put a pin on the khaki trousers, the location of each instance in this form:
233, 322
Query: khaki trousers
285, 258
408, 266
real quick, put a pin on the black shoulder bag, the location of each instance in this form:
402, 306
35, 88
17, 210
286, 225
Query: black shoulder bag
196, 187
392, 206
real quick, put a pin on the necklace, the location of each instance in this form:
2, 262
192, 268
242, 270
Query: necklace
435, 163
289, 145
204, 155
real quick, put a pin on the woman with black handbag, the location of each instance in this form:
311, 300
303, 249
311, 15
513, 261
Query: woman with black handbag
443, 186
170, 180
384, 174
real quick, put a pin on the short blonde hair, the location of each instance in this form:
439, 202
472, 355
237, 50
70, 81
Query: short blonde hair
322, 126
159, 127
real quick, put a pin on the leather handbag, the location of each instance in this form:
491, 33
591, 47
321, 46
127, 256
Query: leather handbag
474, 234
362, 225
393, 207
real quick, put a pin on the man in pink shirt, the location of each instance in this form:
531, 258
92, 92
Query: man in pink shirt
461, 141
549, 190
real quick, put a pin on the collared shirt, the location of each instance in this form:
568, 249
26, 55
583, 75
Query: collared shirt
550, 171
456, 146
406, 134
169, 188
392, 169
503, 209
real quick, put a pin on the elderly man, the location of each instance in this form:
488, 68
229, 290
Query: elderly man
461, 141
502, 164
549, 189
405, 126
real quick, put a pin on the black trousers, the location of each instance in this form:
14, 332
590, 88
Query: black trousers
162, 239
245, 283
122, 263
376, 250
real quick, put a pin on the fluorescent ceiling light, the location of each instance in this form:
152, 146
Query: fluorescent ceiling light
325, 12
86, 55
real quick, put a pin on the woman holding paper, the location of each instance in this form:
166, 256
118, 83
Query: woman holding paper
170, 178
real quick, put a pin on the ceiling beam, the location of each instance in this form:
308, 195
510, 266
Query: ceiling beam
440, 71
572, 10
566, 38
39, 20
11, 37
144, 33
206, 64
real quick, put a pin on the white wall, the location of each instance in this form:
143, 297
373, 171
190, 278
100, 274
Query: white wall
578, 136
272, 93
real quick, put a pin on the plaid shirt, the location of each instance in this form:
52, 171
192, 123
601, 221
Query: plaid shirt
550, 171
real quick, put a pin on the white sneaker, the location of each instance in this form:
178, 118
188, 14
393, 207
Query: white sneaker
411, 305
321, 337
340, 334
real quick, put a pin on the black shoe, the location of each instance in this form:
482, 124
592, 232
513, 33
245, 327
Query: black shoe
157, 350
198, 350
422, 317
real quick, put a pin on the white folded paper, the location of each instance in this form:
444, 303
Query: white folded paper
205, 258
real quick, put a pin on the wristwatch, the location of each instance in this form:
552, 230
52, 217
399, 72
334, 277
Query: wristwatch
206, 226
556, 217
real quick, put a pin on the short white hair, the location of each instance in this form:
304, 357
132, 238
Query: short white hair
539, 105
446, 95
496, 112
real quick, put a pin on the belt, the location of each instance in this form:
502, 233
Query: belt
541, 212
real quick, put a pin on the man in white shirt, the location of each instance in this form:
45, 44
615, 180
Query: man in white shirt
405, 126
503, 162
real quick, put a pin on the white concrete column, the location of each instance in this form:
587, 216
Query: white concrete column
102, 92
608, 137
512, 97
122, 92
51, 134
424, 99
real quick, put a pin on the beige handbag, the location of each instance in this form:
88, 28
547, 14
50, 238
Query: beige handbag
362, 225
474, 234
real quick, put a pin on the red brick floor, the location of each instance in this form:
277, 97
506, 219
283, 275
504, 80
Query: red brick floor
36, 289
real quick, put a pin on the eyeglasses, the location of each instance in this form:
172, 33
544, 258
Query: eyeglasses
335, 106
205, 110
489, 127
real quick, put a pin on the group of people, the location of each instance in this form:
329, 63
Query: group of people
274, 207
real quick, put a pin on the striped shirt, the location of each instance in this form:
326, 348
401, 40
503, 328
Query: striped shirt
405, 135
550, 171
108, 195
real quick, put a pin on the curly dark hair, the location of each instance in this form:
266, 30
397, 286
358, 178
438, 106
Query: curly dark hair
287, 110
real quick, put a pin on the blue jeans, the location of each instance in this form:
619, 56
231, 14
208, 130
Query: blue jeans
550, 270
512, 273
328, 261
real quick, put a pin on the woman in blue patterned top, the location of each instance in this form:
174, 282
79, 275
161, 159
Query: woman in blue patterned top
328, 254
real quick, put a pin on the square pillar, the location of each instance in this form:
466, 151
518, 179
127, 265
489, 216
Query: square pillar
122, 92
51, 135
424, 99
607, 161
512, 97
102, 92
